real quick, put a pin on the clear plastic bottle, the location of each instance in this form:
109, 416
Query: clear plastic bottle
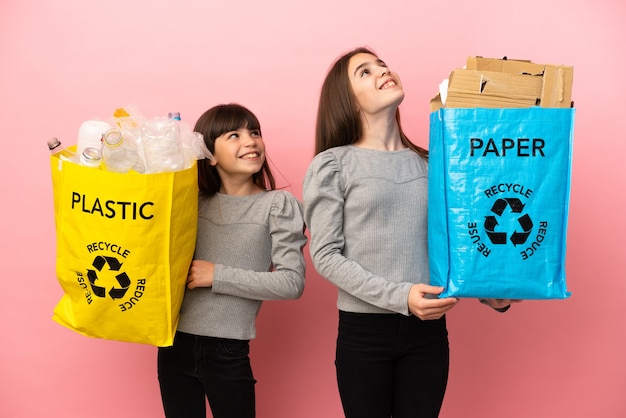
91, 157
161, 145
56, 148
119, 155
90, 134
174, 115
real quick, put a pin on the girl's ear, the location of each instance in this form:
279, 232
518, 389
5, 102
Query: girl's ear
213, 161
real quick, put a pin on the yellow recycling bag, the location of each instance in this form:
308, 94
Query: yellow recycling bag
124, 246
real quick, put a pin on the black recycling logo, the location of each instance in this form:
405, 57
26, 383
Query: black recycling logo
113, 265
523, 220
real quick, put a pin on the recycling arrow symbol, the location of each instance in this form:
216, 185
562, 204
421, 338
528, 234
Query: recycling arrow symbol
524, 221
114, 265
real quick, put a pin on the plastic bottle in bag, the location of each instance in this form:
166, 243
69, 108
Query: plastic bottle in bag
118, 153
161, 145
90, 134
56, 148
91, 157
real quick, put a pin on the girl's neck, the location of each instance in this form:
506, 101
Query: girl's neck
380, 133
239, 188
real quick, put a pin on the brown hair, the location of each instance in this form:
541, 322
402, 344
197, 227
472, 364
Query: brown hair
338, 121
215, 122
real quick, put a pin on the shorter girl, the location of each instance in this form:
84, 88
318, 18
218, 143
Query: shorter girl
249, 249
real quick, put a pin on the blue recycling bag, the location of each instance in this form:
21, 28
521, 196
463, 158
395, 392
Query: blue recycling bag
499, 182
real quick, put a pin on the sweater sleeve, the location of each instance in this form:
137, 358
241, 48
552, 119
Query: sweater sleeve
286, 278
323, 195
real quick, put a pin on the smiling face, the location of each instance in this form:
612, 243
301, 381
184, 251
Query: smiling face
375, 87
239, 154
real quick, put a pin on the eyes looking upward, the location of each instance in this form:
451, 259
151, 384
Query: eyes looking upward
366, 68
375, 87
233, 135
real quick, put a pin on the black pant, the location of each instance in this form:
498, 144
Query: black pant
391, 365
218, 368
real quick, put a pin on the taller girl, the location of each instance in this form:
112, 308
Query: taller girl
365, 203
249, 249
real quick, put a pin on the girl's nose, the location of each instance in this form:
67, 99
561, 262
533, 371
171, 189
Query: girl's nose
248, 140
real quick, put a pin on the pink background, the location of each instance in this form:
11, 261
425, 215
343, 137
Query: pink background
65, 61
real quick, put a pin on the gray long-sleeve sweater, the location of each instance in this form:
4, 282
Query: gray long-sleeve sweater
256, 244
367, 214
